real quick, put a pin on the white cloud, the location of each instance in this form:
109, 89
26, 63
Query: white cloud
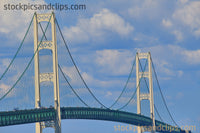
189, 15
183, 1
187, 56
72, 75
184, 19
76, 34
97, 27
4, 64
165, 67
117, 62
82, 91
166, 58
145, 39
197, 32
192, 56
166, 23
108, 94
162, 60
124, 100
180, 73
15, 70
178, 35
171, 60
15, 23
4, 89
89, 79
146, 9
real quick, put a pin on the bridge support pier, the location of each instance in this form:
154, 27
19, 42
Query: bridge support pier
51, 76
145, 96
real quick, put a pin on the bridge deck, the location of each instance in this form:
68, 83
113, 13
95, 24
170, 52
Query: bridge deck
47, 114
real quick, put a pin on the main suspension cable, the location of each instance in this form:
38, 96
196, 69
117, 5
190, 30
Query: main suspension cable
19, 48
64, 74
148, 92
162, 94
72, 87
27, 65
125, 86
77, 67
135, 90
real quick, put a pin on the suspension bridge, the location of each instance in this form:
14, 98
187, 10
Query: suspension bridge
70, 99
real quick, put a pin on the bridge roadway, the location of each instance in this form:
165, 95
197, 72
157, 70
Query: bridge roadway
47, 114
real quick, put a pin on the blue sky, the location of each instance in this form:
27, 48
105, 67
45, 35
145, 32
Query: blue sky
104, 39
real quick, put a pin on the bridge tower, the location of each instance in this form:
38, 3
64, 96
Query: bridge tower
51, 76
145, 96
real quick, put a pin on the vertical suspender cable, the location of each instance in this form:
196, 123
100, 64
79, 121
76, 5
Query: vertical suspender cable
77, 67
162, 94
18, 49
26, 66
64, 74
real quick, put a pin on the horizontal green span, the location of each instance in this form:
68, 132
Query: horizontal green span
47, 114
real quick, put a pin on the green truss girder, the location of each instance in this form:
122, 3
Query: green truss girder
46, 114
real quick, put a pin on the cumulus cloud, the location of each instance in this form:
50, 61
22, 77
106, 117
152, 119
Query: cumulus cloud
4, 89
184, 19
146, 9
183, 1
14, 23
72, 76
97, 27
189, 57
166, 23
178, 35
192, 56
99, 82
117, 62
4, 64
124, 100
89, 79
189, 14
169, 58
108, 94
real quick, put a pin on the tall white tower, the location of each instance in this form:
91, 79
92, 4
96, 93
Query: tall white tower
145, 96
51, 76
